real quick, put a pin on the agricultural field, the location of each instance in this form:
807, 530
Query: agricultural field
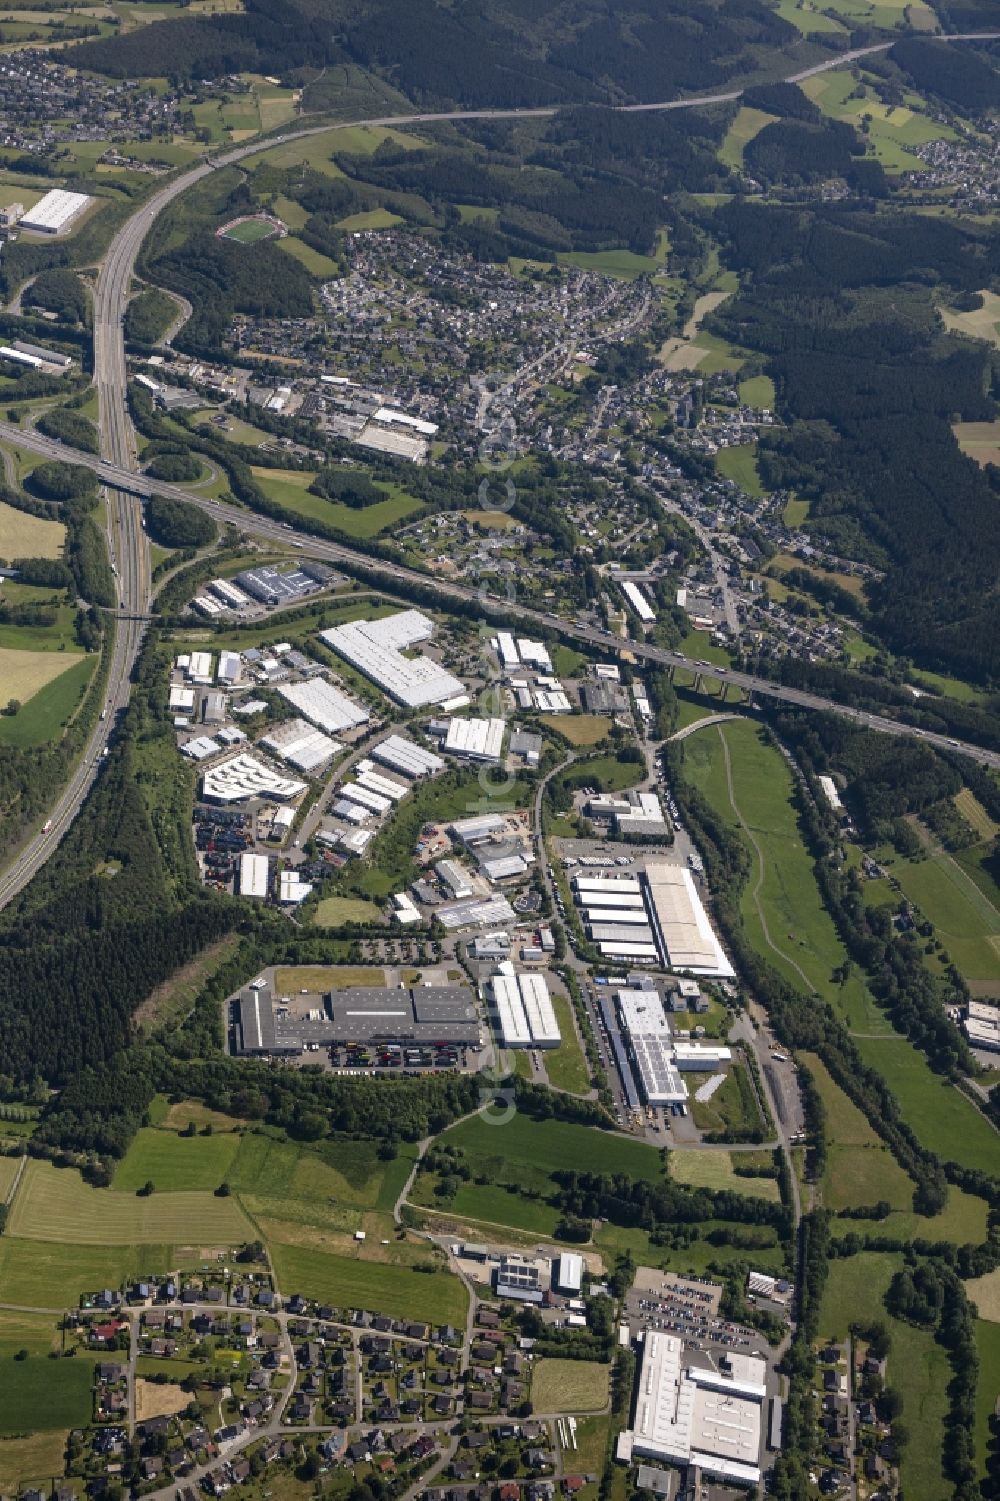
758, 391
347, 1282
315, 262
918, 1366
979, 440
51, 1274
60, 683
41, 1395
716, 1170
523, 1145
25, 536
892, 129
570, 1386
35, 1332
36, 1460
56, 1204
372, 218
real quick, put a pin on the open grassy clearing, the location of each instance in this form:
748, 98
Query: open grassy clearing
35, 1332
548, 1145
8, 1172
489, 1204
36, 1460
979, 440
918, 1367
56, 1204
985, 1293
983, 323
25, 536
565, 1065
290, 488
696, 1259
315, 262
807, 18
892, 129
46, 712
569, 1386
319, 977
974, 813
580, 729
398, 1291
987, 1387
372, 218
781, 905
758, 391
334, 910
715, 1170
740, 465
747, 124
964, 918
175, 1163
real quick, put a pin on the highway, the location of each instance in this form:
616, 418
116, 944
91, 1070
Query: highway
117, 465
498, 605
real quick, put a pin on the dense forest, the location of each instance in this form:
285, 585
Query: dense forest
469, 55
839, 299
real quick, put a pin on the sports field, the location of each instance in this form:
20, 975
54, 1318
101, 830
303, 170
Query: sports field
715, 1170
250, 231
56, 1204
918, 1367
25, 536
383, 1287
570, 1386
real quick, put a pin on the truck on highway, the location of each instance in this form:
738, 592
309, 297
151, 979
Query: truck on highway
46, 826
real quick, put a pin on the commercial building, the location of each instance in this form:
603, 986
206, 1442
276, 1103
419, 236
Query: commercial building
376, 781
524, 1012
406, 756
506, 649
198, 667
243, 777
520, 1279
649, 1044
454, 877
230, 668
181, 700
201, 748
55, 212
569, 1273
688, 1414
534, 654
830, 792
527, 744
270, 586
300, 745
476, 912
254, 875
292, 889
680, 923
503, 867
475, 739
982, 1026
639, 602
227, 592
324, 705
426, 1016
473, 831
376, 647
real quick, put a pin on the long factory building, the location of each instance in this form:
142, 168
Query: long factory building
523, 1008
422, 1015
660, 916
687, 1414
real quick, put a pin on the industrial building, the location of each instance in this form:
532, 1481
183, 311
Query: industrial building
639, 602
243, 777
425, 1015
631, 812
476, 912
376, 647
405, 756
476, 830
520, 1279
982, 1026
324, 705
254, 875
230, 596
569, 1274
300, 745
475, 739
649, 1044
55, 212
454, 877
690, 1414
270, 586
680, 923
524, 1012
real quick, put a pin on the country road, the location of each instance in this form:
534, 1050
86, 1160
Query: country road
118, 462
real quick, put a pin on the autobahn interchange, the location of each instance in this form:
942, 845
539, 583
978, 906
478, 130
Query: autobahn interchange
117, 468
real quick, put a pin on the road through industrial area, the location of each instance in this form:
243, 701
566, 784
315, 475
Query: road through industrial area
118, 467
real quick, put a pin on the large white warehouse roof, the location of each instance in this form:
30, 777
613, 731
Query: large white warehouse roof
300, 745
681, 923
479, 739
53, 212
324, 705
375, 647
406, 756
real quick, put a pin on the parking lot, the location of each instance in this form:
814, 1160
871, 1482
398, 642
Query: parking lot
689, 1307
